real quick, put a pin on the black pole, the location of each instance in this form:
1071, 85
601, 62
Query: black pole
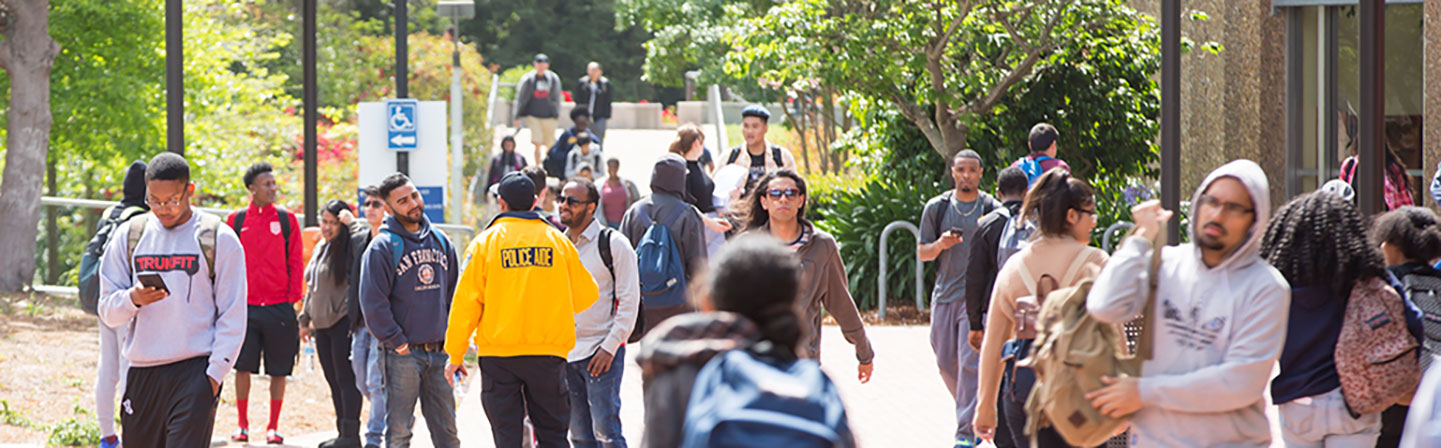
310, 94
174, 77
1171, 114
402, 81
1373, 107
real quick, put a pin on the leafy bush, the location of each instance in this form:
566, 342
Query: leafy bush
74, 431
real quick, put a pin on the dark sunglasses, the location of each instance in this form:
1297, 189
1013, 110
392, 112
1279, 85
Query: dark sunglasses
568, 200
777, 193
374, 204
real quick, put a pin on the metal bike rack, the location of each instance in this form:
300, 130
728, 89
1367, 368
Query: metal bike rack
1111, 230
920, 267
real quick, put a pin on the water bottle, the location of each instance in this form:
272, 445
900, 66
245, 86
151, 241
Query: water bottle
310, 356
459, 388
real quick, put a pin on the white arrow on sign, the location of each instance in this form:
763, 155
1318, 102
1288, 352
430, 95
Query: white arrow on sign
402, 140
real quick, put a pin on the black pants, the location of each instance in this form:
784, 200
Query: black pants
1016, 385
169, 405
332, 346
1393, 420
513, 387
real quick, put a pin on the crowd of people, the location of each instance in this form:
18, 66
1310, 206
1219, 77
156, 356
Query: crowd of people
720, 290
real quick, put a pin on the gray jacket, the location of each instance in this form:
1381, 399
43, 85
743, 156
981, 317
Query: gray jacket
544, 105
667, 184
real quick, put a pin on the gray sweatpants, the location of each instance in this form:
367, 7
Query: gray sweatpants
959, 364
1322, 421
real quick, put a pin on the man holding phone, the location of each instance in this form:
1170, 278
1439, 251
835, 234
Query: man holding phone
947, 223
183, 336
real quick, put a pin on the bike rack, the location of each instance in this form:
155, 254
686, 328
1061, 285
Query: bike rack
920, 267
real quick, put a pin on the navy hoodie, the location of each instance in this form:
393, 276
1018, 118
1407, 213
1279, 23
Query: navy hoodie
408, 302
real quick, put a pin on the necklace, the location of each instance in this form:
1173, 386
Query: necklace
974, 206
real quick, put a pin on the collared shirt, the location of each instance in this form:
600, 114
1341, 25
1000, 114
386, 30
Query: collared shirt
608, 322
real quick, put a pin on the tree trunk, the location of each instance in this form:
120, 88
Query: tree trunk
26, 55
52, 225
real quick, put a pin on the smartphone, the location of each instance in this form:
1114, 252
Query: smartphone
153, 281
955, 230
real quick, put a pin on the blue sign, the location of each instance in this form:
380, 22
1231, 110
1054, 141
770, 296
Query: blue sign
401, 124
434, 198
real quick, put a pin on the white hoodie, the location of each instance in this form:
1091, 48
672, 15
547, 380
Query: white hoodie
1218, 331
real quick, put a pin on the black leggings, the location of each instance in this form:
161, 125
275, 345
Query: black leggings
332, 346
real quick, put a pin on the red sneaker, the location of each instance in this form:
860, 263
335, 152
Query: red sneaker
273, 437
243, 435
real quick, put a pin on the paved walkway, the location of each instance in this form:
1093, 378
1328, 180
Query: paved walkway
903, 405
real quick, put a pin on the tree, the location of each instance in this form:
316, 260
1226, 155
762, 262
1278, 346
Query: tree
26, 55
943, 65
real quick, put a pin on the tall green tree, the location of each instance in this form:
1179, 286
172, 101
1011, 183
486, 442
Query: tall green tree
943, 65
26, 55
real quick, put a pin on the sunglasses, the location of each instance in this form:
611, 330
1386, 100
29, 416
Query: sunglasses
777, 193
373, 204
569, 200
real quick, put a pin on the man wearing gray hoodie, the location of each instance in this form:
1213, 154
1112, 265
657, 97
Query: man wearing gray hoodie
182, 326
667, 199
1219, 322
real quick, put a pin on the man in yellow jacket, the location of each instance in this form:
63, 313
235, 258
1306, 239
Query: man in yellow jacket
521, 286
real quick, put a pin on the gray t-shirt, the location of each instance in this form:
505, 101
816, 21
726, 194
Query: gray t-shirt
951, 276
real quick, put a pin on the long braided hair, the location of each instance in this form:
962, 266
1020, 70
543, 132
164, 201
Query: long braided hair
1319, 239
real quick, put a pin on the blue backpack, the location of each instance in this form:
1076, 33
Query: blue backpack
1032, 168
661, 269
741, 400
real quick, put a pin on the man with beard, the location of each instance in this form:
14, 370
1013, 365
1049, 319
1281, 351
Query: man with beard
1219, 321
407, 277
948, 222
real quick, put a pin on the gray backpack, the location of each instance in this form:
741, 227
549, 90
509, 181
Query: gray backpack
1016, 236
1425, 292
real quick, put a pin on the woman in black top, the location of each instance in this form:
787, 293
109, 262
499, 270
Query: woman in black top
689, 143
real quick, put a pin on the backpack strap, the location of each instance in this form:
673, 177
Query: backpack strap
132, 237
1076, 265
239, 221
941, 214
609, 260
396, 246
284, 216
776, 154
735, 155
1144, 338
1029, 280
209, 227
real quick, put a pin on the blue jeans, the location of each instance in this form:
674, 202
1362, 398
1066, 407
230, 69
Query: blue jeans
595, 404
418, 375
369, 377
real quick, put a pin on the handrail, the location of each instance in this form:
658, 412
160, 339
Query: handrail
920, 266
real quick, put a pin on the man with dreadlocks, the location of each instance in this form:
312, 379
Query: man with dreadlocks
1318, 242
1220, 319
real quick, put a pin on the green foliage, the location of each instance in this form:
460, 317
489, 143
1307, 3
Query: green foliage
74, 431
690, 35
12, 417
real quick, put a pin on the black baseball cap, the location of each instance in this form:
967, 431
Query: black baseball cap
541, 57
517, 190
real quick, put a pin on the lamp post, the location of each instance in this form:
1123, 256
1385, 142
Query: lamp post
456, 10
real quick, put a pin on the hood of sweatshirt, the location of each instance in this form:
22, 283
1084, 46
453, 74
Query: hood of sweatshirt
393, 226
669, 175
1254, 178
693, 339
134, 192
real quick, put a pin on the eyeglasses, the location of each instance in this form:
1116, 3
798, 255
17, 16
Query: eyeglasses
155, 204
374, 204
569, 200
1227, 208
1091, 212
777, 193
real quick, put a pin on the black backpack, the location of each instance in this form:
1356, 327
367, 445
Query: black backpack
609, 260
1425, 292
89, 277
281, 214
775, 154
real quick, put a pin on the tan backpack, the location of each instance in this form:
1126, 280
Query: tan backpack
1376, 356
1070, 355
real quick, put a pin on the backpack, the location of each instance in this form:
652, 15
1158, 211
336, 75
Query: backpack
1425, 292
661, 269
209, 225
775, 154
397, 246
1028, 308
89, 276
940, 217
1376, 357
1070, 355
1015, 236
743, 400
1032, 168
609, 260
280, 214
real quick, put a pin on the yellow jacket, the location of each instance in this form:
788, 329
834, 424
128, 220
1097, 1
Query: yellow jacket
520, 287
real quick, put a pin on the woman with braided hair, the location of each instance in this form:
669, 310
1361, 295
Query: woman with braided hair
1319, 243
1410, 240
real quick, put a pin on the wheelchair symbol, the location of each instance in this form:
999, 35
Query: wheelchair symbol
400, 118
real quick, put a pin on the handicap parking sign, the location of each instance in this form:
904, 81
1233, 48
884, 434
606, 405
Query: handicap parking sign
401, 124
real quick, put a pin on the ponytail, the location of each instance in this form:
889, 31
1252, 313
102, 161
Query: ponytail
685, 138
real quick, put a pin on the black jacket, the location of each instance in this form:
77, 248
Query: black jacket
982, 269
359, 241
602, 100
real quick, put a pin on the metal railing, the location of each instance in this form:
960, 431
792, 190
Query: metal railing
920, 267
450, 230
